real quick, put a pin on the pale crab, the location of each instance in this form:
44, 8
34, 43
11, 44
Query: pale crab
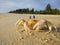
36, 25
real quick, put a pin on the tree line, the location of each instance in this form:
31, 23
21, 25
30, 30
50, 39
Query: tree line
48, 10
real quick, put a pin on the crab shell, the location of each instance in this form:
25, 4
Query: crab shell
31, 23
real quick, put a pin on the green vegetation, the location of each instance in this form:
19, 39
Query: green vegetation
48, 10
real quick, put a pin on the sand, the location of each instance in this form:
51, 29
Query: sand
9, 36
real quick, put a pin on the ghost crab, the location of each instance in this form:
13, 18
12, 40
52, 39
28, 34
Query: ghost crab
36, 25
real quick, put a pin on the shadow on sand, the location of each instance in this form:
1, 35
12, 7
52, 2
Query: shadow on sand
58, 29
45, 29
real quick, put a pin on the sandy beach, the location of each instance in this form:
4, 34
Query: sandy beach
9, 36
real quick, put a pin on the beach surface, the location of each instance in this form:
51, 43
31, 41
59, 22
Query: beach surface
9, 36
